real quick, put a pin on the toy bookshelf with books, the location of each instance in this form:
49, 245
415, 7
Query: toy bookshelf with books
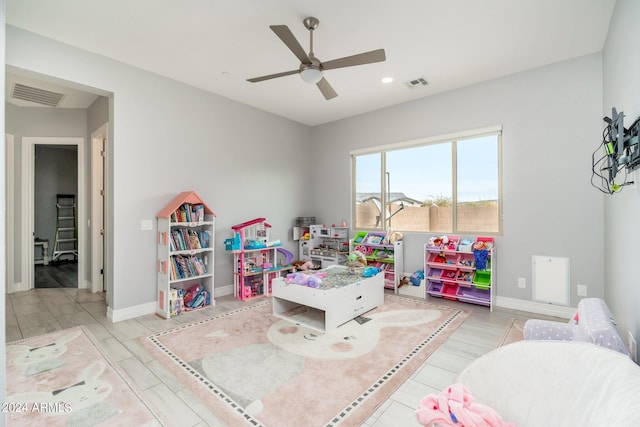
185, 255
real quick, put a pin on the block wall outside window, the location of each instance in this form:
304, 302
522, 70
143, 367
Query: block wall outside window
448, 185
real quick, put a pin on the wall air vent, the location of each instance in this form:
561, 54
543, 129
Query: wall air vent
420, 81
39, 96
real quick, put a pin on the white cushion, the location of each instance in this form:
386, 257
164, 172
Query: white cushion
557, 383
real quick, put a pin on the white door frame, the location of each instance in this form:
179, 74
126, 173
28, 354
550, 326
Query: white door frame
10, 211
28, 183
99, 139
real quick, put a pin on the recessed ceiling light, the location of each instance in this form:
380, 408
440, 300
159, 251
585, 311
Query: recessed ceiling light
387, 80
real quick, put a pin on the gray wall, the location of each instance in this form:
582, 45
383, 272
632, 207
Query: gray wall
97, 114
551, 119
168, 137
622, 90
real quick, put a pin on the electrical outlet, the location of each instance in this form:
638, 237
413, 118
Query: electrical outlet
522, 282
582, 290
633, 349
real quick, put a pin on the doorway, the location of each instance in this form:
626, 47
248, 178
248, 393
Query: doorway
55, 216
67, 180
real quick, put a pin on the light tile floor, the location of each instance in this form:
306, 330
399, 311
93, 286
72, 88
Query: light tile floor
42, 311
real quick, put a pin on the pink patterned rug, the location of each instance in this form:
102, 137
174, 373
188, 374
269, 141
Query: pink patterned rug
65, 379
512, 333
251, 368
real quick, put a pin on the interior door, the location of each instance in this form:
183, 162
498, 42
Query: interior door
98, 150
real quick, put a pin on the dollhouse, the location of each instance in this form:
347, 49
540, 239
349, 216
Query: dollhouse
255, 258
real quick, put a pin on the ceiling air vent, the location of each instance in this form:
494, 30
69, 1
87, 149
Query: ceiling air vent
39, 96
420, 81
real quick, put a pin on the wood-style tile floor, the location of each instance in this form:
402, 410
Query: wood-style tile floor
42, 311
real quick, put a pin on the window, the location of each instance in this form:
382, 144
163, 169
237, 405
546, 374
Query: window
442, 185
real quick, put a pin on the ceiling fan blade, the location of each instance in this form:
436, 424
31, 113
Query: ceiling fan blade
359, 59
292, 43
273, 76
326, 89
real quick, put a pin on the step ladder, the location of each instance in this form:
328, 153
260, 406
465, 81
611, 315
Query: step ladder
66, 227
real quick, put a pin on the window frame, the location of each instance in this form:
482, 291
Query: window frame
452, 138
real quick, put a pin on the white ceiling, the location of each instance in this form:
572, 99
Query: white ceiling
216, 45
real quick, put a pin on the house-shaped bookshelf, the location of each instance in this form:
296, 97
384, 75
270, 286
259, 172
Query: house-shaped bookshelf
186, 227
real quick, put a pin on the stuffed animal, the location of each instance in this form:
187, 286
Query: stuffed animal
396, 236
370, 271
417, 277
357, 259
303, 265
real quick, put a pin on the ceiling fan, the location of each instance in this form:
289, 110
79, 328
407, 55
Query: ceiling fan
311, 69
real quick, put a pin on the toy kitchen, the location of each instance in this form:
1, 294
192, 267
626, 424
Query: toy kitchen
327, 245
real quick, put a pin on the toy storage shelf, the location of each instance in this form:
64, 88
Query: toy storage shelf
388, 257
186, 229
451, 273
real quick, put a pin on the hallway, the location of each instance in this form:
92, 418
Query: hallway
63, 274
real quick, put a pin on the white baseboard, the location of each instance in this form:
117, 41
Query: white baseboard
130, 312
16, 287
220, 291
150, 307
535, 307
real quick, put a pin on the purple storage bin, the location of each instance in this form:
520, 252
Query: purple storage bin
435, 289
434, 274
474, 295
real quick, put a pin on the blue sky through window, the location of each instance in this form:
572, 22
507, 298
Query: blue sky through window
424, 172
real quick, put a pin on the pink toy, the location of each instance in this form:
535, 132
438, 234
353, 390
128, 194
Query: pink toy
247, 292
455, 406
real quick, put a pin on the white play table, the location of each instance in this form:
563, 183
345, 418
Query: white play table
341, 297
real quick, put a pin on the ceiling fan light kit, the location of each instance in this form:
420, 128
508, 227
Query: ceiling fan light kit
311, 69
311, 75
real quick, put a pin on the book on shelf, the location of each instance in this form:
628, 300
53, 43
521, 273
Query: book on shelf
199, 213
194, 240
203, 236
183, 239
188, 213
184, 267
